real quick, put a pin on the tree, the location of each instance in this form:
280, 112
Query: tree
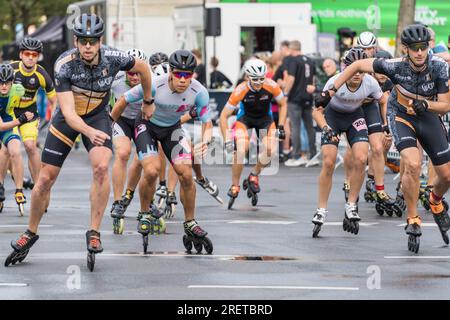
406, 14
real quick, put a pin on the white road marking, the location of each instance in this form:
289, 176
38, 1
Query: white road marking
13, 285
272, 287
261, 222
417, 257
424, 224
364, 224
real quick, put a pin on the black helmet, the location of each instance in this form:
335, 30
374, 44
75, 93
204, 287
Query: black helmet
182, 60
158, 58
354, 54
88, 26
31, 44
382, 54
6, 73
415, 33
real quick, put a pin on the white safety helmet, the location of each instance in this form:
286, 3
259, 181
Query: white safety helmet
366, 40
137, 54
255, 68
160, 69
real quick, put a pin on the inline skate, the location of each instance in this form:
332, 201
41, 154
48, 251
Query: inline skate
21, 247
196, 237
233, 194
150, 222
20, 200
251, 184
118, 214
209, 187
351, 218
94, 246
414, 232
318, 220
171, 202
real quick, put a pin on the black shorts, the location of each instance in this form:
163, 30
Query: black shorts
124, 127
261, 125
175, 144
373, 117
352, 124
60, 138
428, 129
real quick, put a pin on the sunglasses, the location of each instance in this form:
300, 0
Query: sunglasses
418, 46
182, 74
32, 54
132, 74
91, 41
257, 80
5, 84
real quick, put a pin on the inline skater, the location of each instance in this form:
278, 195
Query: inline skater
123, 135
10, 96
252, 99
175, 94
421, 94
83, 79
343, 114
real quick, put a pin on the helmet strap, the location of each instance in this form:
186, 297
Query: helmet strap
420, 68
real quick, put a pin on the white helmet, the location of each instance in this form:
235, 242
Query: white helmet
366, 40
255, 68
137, 54
160, 69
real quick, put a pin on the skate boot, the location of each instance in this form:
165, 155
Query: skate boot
20, 200
2, 196
210, 187
441, 218
233, 194
126, 199
117, 213
28, 184
424, 195
150, 222
161, 193
414, 232
251, 184
196, 236
346, 190
385, 204
171, 202
351, 218
400, 202
318, 220
369, 195
21, 247
94, 246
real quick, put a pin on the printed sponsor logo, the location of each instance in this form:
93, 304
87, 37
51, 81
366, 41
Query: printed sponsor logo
139, 129
53, 151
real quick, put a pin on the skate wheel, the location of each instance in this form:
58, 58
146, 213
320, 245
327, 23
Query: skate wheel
316, 230
379, 209
425, 205
356, 227
198, 246
245, 184
23, 256
398, 211
445, 203
161, 202
91, 261
207, 244
445, 237
21, 209
255, 200
8, 260
162, 226
219, 199
249, 194
121, 226
344, 225
145, 243
231, 202
367, 197
187, 244
390, 212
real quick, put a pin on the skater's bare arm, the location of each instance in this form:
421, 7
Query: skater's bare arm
282, 112
225, 114
365, 65
383, 107
118, 108
4, 126
318, 116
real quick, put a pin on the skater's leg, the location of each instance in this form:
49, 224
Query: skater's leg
122, 150
100, 158
16, 162
348, 164
442, 180
268, 147
134, 173
376, 158
410, 179
41, 193
242, 146
183, 169
329, 154
162, 157
360, 151
147, 186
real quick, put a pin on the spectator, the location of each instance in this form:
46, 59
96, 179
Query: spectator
330, 67
438, 49
217, 79
200, 70
284, 49
299, 89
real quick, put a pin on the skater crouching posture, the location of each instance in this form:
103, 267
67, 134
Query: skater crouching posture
175, 94
343, 114
83, 78
421, 93
253, 101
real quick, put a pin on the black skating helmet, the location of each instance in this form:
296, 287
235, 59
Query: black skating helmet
415, 33
158, 58
31, 44
89, 26
182, 60
353, 55
383, 54
6, 73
